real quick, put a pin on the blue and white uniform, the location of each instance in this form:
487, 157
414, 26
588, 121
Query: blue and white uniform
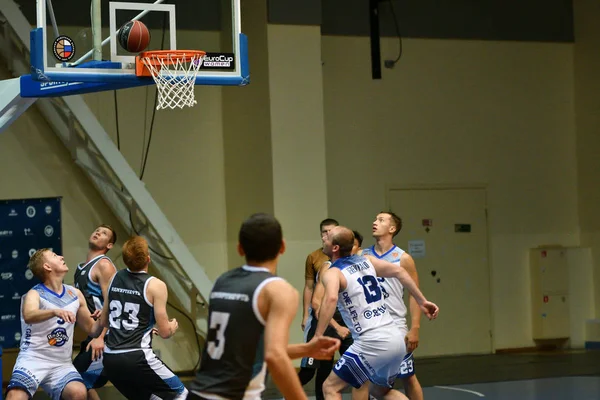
393, 292
46, 347
377, 352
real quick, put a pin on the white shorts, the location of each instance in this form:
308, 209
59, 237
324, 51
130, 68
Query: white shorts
377, 359
30, 373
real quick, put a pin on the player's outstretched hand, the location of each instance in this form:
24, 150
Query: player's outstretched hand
430, 309
343, 332
65, 315
323, 347
96, 314
174, 326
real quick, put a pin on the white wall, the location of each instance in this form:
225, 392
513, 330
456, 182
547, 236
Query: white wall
460, 112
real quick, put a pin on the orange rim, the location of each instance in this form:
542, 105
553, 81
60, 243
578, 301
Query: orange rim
166, 56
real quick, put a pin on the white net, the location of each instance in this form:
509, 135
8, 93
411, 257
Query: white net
175, 77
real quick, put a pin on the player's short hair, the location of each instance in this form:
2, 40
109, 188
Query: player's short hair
358, 237
396, 220
135, 253
36, 263
345, 239
260, 237
328, 221
113, 237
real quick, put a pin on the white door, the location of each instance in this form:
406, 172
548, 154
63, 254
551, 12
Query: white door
447, 230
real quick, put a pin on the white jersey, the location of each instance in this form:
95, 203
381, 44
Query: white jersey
52, 339
393, 289
361, 304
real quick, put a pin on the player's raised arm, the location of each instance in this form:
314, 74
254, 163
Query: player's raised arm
33, 315
157, 294
407, 262
388, 270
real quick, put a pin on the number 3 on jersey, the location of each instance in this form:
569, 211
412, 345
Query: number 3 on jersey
116, 310
371, 288
216, 334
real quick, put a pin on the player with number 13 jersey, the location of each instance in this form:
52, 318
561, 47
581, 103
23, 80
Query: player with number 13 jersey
135, 302
351, 284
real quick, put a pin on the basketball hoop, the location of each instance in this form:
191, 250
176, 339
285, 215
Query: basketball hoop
174, 72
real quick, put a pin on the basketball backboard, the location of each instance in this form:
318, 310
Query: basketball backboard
65, 45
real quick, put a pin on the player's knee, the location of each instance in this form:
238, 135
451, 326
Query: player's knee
394, 394
17, 394
75, 391
329, 387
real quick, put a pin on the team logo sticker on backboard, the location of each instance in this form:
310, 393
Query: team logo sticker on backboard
64, 48
222, 61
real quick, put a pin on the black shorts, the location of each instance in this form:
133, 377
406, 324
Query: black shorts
195, 396
346, 343
309, 362
139, 374
92, 372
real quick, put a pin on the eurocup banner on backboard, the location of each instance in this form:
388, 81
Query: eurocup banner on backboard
25, 226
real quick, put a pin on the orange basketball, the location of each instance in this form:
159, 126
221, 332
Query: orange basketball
134, 36
52, 342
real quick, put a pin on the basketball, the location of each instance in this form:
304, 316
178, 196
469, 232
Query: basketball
134, 36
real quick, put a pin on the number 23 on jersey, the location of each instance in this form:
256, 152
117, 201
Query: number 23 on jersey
123, 315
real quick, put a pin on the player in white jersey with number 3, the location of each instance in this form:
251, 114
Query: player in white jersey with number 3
351, 283
48, 314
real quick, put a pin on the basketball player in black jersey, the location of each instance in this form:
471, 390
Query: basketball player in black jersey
92, 278
134, 303
250, 314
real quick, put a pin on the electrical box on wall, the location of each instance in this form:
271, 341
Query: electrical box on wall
550, 293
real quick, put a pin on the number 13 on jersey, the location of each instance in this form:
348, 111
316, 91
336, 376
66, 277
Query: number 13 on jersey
371, 288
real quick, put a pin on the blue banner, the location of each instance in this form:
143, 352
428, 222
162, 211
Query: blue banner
25, 226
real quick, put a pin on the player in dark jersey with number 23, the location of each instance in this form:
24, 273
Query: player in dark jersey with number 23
135, 302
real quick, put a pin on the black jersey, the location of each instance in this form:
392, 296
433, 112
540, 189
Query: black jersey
131, 316
91, 290
232, 363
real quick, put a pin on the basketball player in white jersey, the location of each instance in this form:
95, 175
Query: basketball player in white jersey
48, 314
351, 282
385, 227
92, 278
343, 333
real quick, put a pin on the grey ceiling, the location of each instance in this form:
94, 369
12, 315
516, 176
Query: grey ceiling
527, 20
